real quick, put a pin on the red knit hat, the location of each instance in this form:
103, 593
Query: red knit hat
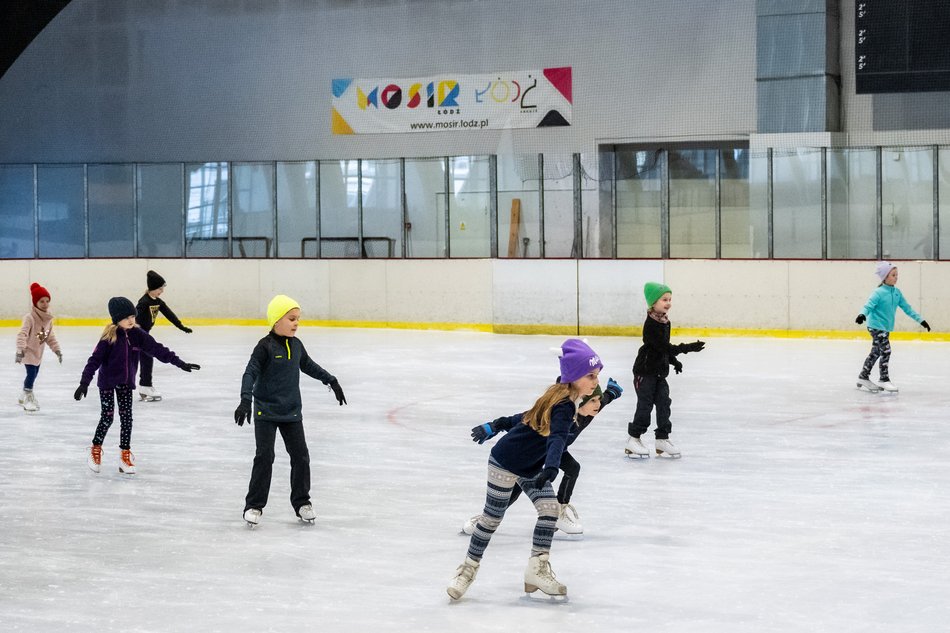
38, 292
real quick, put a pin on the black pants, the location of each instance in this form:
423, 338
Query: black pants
652, 391
145, 369
572, 470
265, 433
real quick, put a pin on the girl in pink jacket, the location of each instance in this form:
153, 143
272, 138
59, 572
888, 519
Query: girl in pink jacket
36, 332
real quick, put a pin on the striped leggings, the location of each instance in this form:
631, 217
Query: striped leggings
880, 348
500, 484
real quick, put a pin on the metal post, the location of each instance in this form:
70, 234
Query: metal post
316, 183
879, 202
359, 207
276, 225
403, 207
770, 203
824, 203
578, 250
135, 210
493, 205
613, 201
448, 196
664, 204
36, 211
183, 210
718, 210
85, 208
541, 204
936, 231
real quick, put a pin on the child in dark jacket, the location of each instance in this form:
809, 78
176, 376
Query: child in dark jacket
529, 456
272, 378
146, 311
116, 358
650, 370
568, 521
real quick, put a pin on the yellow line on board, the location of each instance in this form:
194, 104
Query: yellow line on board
562, 330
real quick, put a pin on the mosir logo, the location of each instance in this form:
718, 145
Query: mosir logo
441, 94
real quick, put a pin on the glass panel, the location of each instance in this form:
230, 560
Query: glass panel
597, 204
111, 211
907, 202
62, 222
852, 204
796, 195
559, 205
297, 209
382, 209
518, 180
743, 225
252, 223
339, 208
639, 187
160, 210
16, 211
944, 190
206, 221
425, 207
469, 227
693, 202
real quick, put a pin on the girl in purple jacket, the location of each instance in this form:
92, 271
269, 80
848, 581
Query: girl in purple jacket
116, 357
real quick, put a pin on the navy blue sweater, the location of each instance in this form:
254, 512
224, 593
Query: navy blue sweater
525, 452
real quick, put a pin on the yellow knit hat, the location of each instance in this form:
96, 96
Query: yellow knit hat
278, 307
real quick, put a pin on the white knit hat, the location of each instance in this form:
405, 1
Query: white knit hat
883, 269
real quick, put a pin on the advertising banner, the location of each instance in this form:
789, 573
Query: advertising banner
496, 101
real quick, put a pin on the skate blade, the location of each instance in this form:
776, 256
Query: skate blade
534, 595
630, 455
306, 521
150, 398
250, 525
668, 455
868, 389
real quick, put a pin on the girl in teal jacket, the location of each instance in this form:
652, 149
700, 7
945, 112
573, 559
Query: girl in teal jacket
879, 313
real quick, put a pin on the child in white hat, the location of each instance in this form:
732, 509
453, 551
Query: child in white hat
879, 313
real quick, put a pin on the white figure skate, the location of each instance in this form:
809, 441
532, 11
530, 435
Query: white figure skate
127, 462
94, 459
665, 448
252, 516
635, 449
149, 394
305, 513
888, 386
30, 405
569, 523
469, 527
867, 385
539, 576
464, 577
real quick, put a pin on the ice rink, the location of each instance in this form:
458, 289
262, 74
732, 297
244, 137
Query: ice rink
800, 503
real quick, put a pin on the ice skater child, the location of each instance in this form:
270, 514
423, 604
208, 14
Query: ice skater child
146, 311
116, 358
879, 313
529, 456
272, 378
568, 521
37, 332
650, 370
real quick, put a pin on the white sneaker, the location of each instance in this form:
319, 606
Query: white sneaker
665, 447
569, 521
635, 449
149, 393
864, 383
305, 512
464, 576
539, 575
469, 527
887, 385
29, 402
252, 516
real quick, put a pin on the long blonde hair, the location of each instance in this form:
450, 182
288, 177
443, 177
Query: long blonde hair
109, 333
538, 417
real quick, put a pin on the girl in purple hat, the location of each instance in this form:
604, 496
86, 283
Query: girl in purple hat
528, 456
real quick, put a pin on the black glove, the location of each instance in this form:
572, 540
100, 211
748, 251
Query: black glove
483, 432
243, 413
19, 357
80, 392
59, 355
613, 389
190, 367
547, 474
861, 319
693, 347
186, 329
677, 366
925, 325
338, 392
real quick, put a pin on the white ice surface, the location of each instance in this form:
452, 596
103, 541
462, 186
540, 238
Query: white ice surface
800, 503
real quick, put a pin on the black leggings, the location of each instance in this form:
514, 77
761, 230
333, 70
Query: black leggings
123, 395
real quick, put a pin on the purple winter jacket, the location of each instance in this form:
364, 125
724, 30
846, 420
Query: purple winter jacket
118, 362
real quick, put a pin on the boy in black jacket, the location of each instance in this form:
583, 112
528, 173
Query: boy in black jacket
272, 377
650, 371
146, 311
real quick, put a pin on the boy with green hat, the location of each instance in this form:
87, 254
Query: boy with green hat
650, 370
